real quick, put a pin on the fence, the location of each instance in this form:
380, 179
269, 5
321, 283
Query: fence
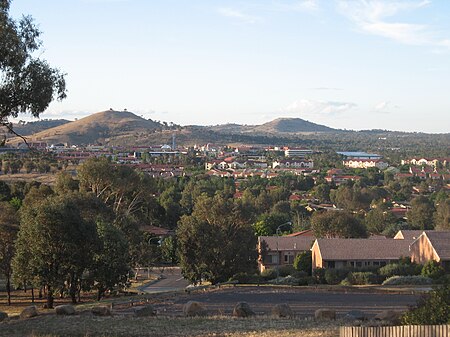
396, 331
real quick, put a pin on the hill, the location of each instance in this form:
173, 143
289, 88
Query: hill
98, 127
34, 127
291, 125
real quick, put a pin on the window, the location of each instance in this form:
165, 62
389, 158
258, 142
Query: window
376, 263
358, 264
382, 263
331, 264
286, 259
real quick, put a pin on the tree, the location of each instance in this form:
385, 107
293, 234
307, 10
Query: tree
442, 215
303, 262
378, 219
421, 214
57, 243
331, 224
215, 241
111, 262
267, 224
27, 83
8, 232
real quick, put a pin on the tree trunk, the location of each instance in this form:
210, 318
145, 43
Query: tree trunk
73, 289
100, 294
49, 298
32, 294
40, 292
8, 288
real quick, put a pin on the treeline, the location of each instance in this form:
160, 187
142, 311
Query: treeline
68, 237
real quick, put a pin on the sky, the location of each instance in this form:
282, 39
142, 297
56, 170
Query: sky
356, 64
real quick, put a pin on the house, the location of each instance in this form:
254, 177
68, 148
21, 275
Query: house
432, 245
365, 163
357, 253
408, 234
308, 164
276, 251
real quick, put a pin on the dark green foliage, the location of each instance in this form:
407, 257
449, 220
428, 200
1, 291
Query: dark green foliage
433, 269
442, 215
433, 308
216, 241
245, 278
54, 243
319, 276
336, 276
28, 83
361, 278
269, 274
284, 271
111, 261
400, 269
268, 224
303, 262
337, 224
421, 214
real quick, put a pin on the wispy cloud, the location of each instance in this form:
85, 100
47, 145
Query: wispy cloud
325, 88
238, 15
385, 107
298, 6
377, 17
311, 107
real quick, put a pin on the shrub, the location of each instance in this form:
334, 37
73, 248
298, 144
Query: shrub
361, 278
433, 270
400, 269
269, 274
286, 270
433, 308
335, 276
245, 278
319, 276
303, 262
408, 280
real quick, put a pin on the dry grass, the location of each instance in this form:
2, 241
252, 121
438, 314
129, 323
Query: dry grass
86, 325
44, 178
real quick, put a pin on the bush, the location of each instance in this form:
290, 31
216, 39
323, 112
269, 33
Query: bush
269, 274
335, 276
433, 308
400, 269
319, 276
433, 270
407, 280
245, 278
303, 262
361, 278
286, 270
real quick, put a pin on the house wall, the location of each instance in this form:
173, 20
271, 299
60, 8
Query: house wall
422, 251
316, 258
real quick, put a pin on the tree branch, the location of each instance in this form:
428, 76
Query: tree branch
11, 130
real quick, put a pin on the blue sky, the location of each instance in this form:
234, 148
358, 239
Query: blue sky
346, 64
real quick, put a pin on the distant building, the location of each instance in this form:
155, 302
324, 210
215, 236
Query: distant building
365, 163
297, 152
359, 155
307, 164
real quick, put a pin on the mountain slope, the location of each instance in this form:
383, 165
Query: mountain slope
98, 127
291, 125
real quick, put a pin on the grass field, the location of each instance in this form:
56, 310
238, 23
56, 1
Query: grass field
84, 324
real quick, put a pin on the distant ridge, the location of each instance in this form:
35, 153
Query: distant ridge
95, 128
291, 125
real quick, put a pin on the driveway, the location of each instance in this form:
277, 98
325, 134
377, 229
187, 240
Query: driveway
171, 280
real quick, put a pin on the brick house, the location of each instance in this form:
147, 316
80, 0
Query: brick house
340, 253
276, 251
432, 245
